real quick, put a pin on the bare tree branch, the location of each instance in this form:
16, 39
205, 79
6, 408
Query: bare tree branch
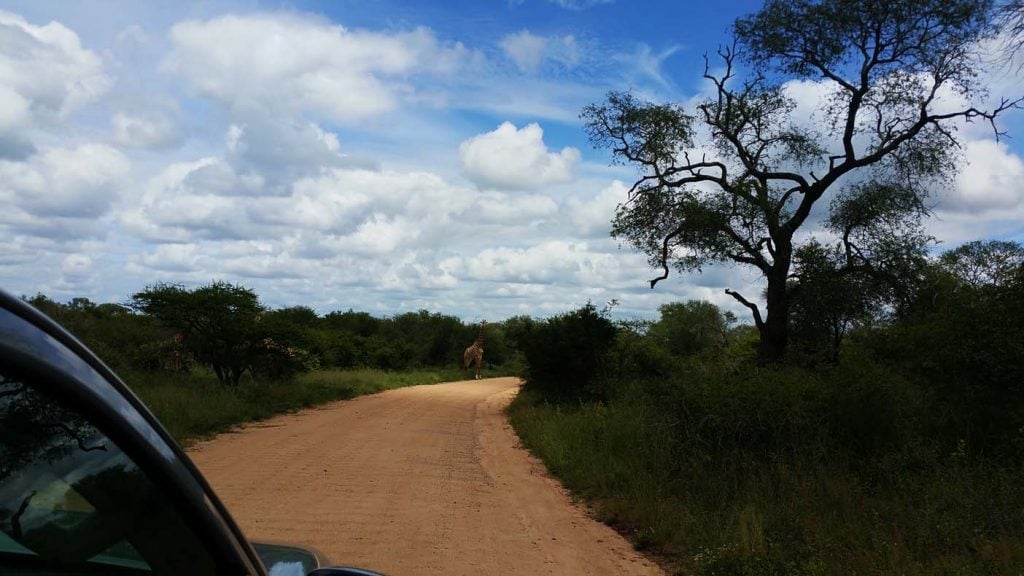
753, 307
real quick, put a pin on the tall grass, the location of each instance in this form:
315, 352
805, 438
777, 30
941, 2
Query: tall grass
196, 405
779, 472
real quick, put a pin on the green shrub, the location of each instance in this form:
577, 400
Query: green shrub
567, 354
635, 356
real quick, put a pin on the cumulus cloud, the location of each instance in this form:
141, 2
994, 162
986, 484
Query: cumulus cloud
173, 258
347, 209
61, 184
560, 261
45, 74
282, 149
295, 63
508, 210
516, 159
76, 267
993, 179
593, 216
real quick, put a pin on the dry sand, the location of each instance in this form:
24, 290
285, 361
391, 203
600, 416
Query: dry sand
420, 480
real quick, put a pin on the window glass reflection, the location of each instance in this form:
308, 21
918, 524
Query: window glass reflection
71, 498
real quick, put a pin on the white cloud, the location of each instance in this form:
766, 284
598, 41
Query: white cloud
283, 149
151, 130
993, 179
525, 49
288, 62
509, 210
173, 257
554, 261
642, 63
340, 209
593, 216
580, 4
57, 185
516, 159
48, 66
45, 74
76, 266
987, 198
529, 51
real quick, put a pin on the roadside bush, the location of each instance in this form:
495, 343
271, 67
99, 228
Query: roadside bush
761, 410
279, 362
566, 355
858, 407
636, 356
870, 408
964, 345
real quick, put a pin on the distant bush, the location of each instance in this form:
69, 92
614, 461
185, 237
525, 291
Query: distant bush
566, 355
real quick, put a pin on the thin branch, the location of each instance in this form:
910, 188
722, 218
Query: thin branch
664, 257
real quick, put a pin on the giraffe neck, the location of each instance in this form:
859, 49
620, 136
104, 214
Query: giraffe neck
480, 336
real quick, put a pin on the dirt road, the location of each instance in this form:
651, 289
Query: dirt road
421, 480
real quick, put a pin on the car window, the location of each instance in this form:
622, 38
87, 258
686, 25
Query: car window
71, 500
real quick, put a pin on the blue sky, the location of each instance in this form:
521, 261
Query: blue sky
379, 155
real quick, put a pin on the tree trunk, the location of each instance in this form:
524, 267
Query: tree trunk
235, 374
775, 329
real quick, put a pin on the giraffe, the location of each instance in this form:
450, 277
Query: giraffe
475, 353
170, 355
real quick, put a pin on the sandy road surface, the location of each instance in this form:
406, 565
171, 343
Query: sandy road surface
421, 480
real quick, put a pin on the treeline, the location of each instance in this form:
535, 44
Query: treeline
225, 328
891, 436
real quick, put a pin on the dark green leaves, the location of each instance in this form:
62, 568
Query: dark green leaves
846, 38
639, 132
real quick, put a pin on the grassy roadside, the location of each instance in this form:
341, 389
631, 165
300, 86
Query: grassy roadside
710, 509
194, 406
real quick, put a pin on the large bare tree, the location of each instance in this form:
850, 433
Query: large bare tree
734, 178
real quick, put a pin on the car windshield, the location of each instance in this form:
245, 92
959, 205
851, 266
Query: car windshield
70, 499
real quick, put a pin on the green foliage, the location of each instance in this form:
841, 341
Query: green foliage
169, 328
122, 338
977, 264
219, 323
653, 134
566, 354
782, 471
635, 356
686, 328
963, 338
780, 34
827, 301
518, 330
